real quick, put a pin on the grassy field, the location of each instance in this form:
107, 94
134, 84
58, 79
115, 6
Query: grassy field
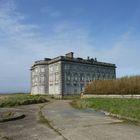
9, 100
71, 97
129, 108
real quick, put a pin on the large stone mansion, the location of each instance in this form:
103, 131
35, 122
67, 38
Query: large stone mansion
66, 75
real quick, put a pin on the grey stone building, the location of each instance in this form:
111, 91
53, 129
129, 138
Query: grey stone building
65, 75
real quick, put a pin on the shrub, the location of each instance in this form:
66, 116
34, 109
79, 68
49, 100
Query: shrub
21, 99
123, 86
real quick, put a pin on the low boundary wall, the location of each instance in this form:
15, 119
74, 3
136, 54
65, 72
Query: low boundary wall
110, 96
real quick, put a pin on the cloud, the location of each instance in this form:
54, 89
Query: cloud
21, 44
125, 54
17, 44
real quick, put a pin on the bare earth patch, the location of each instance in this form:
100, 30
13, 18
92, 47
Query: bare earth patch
27, 128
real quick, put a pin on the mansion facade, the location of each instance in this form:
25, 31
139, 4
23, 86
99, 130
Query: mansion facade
66, 75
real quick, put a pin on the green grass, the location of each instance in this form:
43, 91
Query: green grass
21, 99
71, 97
129, 108
41, 117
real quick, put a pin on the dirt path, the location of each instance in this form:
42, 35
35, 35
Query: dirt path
27, 128
87, 124
66, 123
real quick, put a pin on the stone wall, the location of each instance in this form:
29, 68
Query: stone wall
110, 96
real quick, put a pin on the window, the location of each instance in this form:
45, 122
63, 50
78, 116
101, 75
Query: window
51, 77
98, 77
67, 76
42, 79
36, 79
51, 68
67, 66
88, 77
93, 77
56, 76
33, 81
103, 76
75, 85
42, 89
82, 87
36, 70
76, 77
42, 69
81, 77
56, 67
33, 73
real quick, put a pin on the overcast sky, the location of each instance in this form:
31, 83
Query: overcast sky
31, 30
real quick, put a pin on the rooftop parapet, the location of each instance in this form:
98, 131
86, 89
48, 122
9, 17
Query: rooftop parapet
89, 61
39, 61
47, 59
69, 57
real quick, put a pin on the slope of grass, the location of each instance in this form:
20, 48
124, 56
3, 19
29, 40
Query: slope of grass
21, 99
71, 97
124, 107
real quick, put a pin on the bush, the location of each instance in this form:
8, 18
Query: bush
121, 86
21, 99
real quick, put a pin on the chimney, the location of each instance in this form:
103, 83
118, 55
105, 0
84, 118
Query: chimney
69, 55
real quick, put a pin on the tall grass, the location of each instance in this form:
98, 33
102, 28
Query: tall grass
21, 99
122, 86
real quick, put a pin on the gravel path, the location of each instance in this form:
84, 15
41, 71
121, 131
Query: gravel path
27, 128
87, 124
66, 123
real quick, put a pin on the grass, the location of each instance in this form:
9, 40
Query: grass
71, 97
129, 108
21, 99
41, 117
121, 86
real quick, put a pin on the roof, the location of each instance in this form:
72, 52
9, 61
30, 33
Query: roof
91, 61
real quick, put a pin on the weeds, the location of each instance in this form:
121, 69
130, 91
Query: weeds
21, 99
